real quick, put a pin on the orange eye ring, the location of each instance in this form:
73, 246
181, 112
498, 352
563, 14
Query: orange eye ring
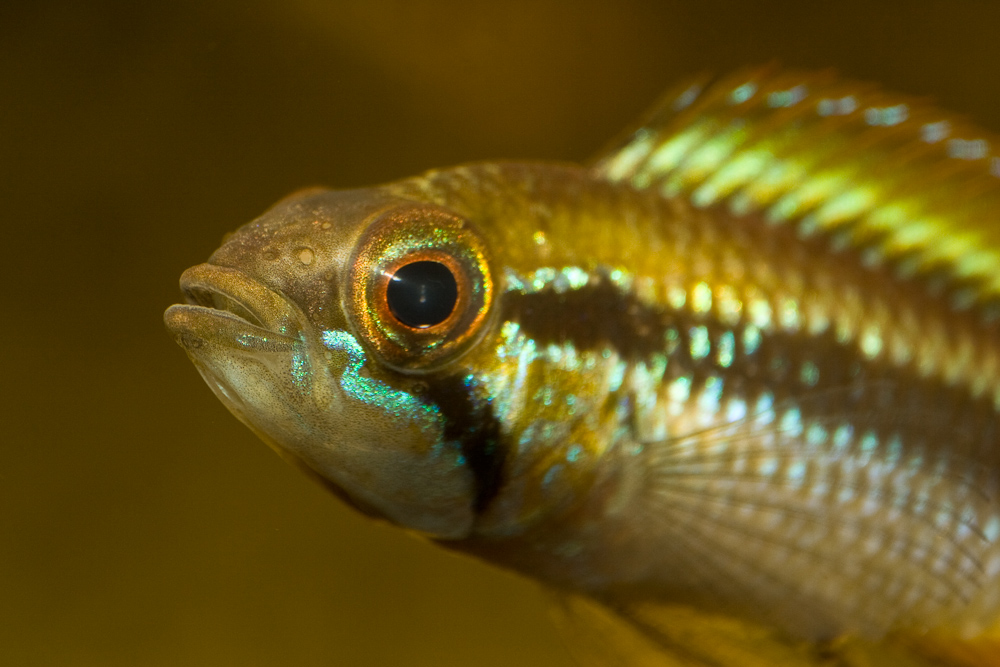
404, 237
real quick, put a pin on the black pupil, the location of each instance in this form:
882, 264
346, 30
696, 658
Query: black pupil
422, 294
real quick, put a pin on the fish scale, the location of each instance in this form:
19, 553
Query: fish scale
737, 382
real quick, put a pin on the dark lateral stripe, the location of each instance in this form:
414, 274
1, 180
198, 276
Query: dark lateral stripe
592, 317
470, 421
870, 394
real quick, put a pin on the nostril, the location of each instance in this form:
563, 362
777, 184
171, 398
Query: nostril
190, 342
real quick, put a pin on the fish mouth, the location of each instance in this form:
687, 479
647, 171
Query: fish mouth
227, 308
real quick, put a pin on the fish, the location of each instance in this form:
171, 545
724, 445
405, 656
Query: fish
731, 391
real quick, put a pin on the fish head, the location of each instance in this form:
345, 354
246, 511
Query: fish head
321, 324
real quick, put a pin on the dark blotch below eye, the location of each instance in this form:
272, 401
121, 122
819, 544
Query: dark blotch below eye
422, 294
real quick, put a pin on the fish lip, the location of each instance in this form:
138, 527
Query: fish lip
224, 303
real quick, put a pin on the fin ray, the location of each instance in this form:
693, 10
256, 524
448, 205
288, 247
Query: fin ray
845, 532
898, 176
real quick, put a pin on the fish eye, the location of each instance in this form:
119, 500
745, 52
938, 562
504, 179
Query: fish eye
422, 294
419, 290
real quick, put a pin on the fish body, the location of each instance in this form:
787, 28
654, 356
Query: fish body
737, 382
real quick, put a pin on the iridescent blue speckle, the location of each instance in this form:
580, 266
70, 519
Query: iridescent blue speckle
300, 367
397, 404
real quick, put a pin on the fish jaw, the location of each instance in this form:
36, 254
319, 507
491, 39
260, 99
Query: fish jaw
233, 324
302, 389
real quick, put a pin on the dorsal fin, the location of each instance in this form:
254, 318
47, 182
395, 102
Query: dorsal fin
911, 185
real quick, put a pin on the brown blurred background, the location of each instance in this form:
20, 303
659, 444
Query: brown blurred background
140, 524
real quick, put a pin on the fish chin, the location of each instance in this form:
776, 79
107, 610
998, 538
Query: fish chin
304, 394
231, 325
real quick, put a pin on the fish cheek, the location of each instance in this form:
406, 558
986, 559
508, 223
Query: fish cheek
383, 446
324, 412
401, 470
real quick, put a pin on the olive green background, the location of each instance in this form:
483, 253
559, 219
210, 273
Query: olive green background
140, 524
